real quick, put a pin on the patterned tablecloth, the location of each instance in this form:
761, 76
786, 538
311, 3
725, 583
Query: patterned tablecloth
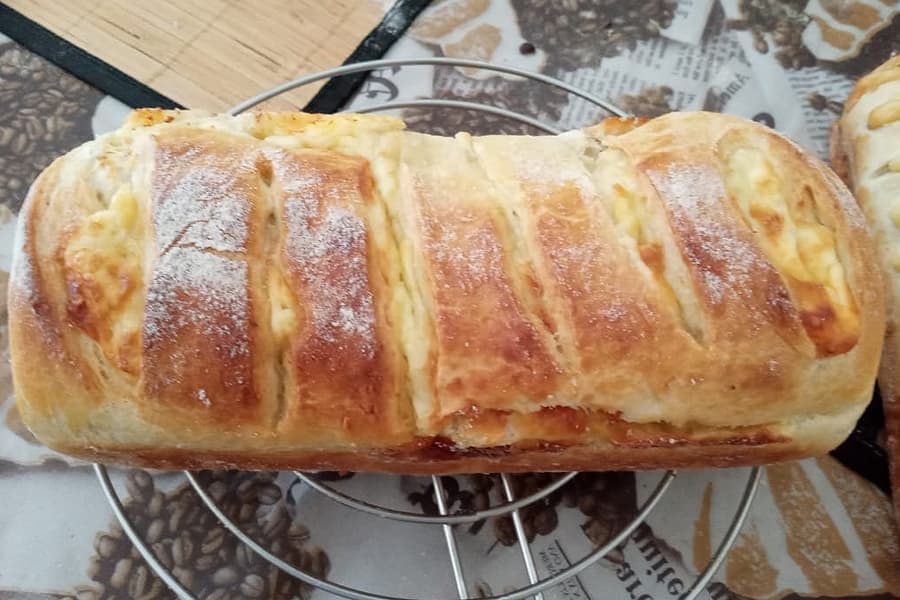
815, 530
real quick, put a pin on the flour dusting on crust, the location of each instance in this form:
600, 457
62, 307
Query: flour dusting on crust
327, 243
203, 200
727, 264
201, 208
192, 288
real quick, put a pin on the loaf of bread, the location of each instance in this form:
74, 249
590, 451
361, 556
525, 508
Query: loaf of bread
866, 152
301, 291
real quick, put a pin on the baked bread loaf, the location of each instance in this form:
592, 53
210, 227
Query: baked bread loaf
866, 152
332, 292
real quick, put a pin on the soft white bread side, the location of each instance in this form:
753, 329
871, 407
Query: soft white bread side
332, 292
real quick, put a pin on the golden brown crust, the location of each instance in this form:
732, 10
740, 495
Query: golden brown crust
343, 379
629, 447
439, 460
884, 73
616, 126
317, 291
54, 361
623, 446
200, 332
475, 309
865, 146
679, 272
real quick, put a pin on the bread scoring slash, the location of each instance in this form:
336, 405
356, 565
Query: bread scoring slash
283, 290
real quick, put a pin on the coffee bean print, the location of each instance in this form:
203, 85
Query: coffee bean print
45, 112
780, 22
253, 586
200, 553
580, 33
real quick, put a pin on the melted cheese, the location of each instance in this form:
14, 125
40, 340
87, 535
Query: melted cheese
794, 240
617, 184
804, 250
343, 133
103, 264
416, 335
392, 230
884, 114
406, 310
378, 140
282, 315
751, 181
616, 180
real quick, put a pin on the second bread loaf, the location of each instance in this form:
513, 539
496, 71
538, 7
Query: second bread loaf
866, 148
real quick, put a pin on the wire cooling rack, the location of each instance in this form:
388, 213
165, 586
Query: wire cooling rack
511, 506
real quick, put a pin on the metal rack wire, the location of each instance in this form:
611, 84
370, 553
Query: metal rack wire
512, 505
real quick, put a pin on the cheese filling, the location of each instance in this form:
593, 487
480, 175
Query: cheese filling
103, 268
800, 246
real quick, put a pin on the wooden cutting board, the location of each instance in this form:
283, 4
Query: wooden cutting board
212, 54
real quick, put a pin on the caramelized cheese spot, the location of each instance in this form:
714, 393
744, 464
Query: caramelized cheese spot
102, 264
802, 248
617, 183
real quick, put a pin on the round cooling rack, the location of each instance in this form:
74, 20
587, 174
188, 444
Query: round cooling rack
510, 506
